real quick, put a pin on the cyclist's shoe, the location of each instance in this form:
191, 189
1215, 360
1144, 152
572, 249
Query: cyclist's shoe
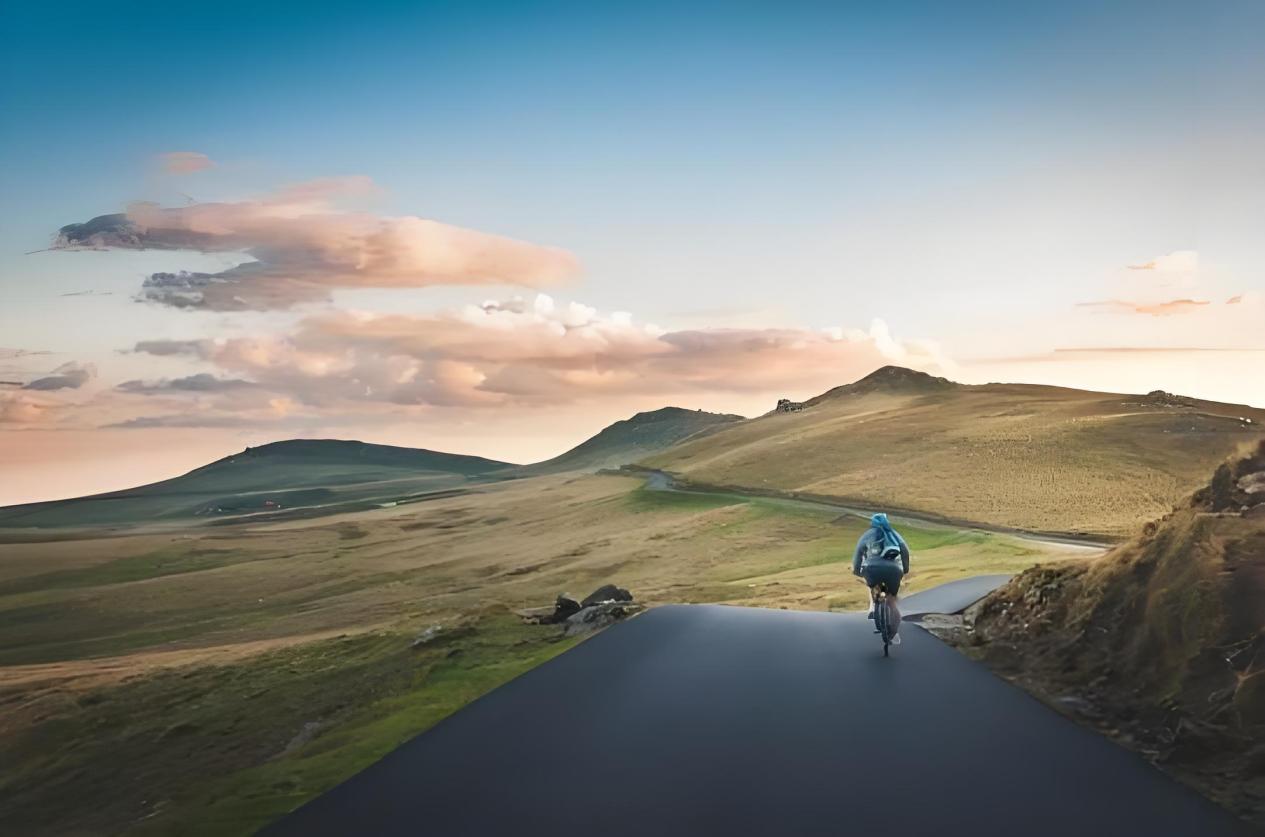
870, 616
896, 640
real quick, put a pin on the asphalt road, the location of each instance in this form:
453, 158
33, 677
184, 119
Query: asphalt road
702, 720
952, 597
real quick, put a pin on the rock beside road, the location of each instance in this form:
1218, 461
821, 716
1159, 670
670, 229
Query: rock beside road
604, 606
598, 616
563, 607
607, 593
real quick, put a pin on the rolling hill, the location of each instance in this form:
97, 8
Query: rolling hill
1036, 458
274, 479
632, 439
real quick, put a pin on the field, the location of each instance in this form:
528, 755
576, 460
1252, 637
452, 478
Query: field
1039, 459
207, 680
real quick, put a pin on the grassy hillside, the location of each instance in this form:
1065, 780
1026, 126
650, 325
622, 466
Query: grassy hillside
1028, 457
1162, 641
271, 479
627, 441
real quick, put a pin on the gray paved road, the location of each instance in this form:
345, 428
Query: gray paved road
952, 597
702, 720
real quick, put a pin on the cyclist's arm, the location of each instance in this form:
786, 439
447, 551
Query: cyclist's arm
856, 556
904, 556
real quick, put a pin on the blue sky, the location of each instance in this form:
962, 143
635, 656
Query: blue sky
966, 172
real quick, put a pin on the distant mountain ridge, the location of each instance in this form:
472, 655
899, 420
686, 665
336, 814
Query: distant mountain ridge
1037, 458
281, 477
344, 451
287, 477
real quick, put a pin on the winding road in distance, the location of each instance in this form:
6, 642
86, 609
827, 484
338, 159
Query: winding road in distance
663, 481
714, 720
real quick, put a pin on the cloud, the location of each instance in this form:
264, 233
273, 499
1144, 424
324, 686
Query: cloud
184, 162
202, 382
1235, 300
11, 354
183, 420
1154, 309
67, 376
170, 348
1178, 261
538, 353
22, 408
304, 246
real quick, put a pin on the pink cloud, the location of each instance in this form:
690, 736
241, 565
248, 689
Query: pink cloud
1178, 261
304, 246
184, 162
537, 353
1154, 309
24, 408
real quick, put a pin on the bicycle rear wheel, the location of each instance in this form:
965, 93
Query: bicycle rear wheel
880, 622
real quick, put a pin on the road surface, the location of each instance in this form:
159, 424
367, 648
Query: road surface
713, 720
953, 596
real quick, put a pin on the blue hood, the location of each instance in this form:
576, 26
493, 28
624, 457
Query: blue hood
880, 522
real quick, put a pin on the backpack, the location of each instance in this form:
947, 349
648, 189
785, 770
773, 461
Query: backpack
885, 547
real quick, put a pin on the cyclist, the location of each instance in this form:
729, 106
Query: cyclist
882, 556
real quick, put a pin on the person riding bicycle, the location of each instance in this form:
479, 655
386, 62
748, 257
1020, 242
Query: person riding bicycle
882, 557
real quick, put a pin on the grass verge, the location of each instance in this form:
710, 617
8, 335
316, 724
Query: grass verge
222, 750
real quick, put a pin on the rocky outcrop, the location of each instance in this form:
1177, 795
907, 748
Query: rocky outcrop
1168, 399
606, 593
598, 616
604, 606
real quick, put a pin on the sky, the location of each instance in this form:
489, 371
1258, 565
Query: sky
494, 228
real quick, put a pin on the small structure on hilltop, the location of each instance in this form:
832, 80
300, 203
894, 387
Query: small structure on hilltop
786, 405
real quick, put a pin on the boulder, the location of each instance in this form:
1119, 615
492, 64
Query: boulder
597, 616
1252, 483
564, 607
607, 593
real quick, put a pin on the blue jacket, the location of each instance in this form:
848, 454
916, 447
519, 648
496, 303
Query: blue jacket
880, 531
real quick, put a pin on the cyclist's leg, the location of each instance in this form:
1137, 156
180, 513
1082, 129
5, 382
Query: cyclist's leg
891, 577
871, 583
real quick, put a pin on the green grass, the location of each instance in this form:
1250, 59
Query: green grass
196, 751
649, 500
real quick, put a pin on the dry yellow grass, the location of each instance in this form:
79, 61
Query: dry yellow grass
1035, 458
